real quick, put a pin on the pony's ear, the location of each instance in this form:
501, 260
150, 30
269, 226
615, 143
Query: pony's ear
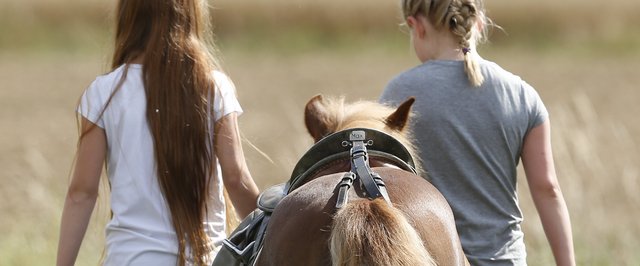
398, 119
315, 118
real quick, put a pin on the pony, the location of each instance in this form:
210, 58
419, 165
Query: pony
306, 228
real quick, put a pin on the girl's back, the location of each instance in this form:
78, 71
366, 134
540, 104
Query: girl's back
141, 226
470, 139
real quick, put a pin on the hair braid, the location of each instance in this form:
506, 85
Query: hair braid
462, 17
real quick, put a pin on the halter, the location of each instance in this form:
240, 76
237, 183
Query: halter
357, 145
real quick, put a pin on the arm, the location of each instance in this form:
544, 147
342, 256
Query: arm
235, 173
82, 192
537, 159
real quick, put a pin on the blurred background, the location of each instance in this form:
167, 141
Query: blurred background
582, 56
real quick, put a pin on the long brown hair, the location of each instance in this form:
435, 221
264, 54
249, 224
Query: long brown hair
172, 38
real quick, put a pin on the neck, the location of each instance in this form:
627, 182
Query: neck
432, 43
138, 60
443, 46
448, 54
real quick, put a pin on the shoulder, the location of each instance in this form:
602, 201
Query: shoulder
225, 99
221, 79
518, 89
403, 84
497, 71
115, 74
222, 82
107, 82
418, 80
497, 75
408, 76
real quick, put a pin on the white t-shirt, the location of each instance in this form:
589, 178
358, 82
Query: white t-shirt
141, 232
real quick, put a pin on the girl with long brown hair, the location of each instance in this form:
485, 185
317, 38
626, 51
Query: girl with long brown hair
164, 121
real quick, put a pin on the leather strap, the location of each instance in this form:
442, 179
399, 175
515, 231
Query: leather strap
360, 166
371, 182
343, 192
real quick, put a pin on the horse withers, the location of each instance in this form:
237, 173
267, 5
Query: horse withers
355, 197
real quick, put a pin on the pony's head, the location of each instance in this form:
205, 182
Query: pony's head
324, 116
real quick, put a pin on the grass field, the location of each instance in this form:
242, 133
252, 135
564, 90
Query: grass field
582, 57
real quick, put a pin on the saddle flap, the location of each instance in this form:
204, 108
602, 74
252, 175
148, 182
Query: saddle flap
240, 247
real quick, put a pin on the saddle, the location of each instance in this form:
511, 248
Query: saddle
245, 242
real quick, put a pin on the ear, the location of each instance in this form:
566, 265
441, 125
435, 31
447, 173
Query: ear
398, 119
411, 21
315, 118
417, 26
480, 21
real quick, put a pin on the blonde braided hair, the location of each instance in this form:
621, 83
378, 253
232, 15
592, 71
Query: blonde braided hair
458, 16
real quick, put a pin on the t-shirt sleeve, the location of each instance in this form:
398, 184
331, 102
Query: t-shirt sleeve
92, 104
537, 110
225, 100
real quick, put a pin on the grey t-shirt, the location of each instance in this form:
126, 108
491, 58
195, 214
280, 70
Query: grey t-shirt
470, 141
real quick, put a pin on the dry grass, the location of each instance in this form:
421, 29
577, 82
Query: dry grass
596, 144
591, 95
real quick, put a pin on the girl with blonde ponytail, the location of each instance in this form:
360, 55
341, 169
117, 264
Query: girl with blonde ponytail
474, 122
164, 122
